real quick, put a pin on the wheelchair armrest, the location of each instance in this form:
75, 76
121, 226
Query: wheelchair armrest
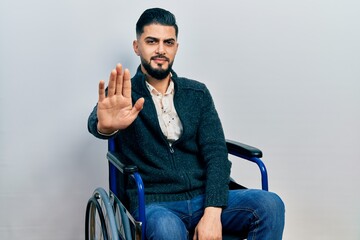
240, 149
252, 154
125, 169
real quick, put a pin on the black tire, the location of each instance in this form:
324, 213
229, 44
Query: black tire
93, 207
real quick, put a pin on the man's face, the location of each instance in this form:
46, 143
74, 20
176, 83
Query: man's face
157, 47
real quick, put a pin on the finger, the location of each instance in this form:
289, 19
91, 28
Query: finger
112, 82
119, 79
101, 90
126, 88
138, 105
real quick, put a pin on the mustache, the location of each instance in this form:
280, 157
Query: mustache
160, 56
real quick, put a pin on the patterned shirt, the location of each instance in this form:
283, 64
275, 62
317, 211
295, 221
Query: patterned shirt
169, 120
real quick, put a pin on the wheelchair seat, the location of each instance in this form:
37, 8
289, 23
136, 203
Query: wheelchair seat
107, 215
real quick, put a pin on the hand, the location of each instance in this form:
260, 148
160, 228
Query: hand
115, 111
209, 226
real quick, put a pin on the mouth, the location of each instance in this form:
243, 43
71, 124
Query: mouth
160, 60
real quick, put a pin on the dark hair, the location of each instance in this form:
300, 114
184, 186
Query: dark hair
156, 16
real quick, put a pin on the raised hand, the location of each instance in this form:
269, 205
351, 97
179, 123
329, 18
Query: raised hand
115, 111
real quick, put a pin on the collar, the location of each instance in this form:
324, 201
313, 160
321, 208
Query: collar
170, 89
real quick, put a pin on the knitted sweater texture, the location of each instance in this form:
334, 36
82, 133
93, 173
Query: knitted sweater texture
195, 164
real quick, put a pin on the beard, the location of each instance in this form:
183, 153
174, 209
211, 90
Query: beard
158, 74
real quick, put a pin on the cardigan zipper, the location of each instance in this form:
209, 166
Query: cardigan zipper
171, 149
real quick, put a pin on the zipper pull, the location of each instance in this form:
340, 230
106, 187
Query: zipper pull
171, 149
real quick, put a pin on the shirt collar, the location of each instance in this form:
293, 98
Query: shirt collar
170, 89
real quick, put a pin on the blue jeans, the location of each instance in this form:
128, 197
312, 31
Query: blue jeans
251, 214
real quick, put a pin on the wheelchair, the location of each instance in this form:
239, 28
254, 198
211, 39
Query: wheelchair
107, 216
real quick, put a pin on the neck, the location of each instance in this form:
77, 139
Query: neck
161, 85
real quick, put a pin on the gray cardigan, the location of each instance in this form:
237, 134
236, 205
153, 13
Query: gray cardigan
195, 164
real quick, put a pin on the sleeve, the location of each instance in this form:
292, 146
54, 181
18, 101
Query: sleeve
214, 151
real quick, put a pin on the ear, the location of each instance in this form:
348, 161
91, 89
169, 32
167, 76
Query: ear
136, 47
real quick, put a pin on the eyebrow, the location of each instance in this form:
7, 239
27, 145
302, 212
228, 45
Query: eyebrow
157, 39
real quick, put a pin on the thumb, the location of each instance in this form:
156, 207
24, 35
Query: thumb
139, 104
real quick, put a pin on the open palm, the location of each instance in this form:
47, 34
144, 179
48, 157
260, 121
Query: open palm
115, 110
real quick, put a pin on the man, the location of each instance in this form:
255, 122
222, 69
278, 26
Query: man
168, 126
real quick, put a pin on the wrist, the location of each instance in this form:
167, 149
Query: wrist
213, 211
106, 132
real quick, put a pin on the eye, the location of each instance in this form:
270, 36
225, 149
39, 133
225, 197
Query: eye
150, 41
170, 42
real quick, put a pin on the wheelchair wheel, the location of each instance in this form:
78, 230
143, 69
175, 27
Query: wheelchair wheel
121, 218
95, 227
100, 220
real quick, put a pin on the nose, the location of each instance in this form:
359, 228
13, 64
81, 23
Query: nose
160, 49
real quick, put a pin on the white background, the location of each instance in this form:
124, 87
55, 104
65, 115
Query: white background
284, 75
